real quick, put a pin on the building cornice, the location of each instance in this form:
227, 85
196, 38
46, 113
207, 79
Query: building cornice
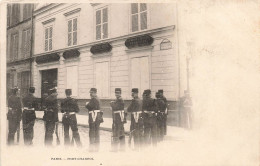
46, 8
72, 12
124, 37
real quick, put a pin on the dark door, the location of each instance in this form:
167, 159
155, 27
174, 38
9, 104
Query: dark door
49, 81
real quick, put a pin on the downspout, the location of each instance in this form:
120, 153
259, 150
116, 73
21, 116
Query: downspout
31, 49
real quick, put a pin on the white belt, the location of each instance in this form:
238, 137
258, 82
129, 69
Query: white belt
121, 113
136, 115
94, 114
29, 109
70, 113
149, 112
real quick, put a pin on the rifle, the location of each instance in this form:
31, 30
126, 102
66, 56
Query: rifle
56, 132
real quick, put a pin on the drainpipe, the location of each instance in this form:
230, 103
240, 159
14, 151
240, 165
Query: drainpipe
31, 49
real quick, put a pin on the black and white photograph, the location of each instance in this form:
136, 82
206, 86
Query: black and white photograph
130, 82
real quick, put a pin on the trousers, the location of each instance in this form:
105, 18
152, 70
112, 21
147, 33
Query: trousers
150, 130
94, 138
28, 119
49, 130
118, 136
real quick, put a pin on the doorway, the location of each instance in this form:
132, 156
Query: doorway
49, 81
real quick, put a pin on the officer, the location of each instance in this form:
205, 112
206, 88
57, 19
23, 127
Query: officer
166, 110
136, 126
119, 118
50, 116
69, 107
150, 110
14, 114
94, 120
160, 116
28, 117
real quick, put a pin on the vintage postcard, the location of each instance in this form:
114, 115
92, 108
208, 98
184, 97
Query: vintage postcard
130, 82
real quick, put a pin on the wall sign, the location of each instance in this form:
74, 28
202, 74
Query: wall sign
166, 44
100, 48
71, 54
47, 58
139, 41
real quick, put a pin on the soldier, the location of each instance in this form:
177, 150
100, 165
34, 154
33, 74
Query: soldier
160, 116
94, 120
136, 127
14, 114
150, 120
119, 118
165, 112
50, 116
69, 107
28, 117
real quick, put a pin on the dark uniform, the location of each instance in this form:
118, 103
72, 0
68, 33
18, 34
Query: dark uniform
50, 116
165, 112
69, 107
14, 115
137, 124
160, 116
94, 120
29, 106
150, 120
119, 118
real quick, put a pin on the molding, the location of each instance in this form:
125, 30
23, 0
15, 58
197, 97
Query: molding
139, 48
72, 12
20, 61
95, 4
106, 54
110, 40
48, 21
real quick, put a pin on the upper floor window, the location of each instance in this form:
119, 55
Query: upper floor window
27, 11
15, 14
8, 15
72, 31
14, 46
102, 23
48, 38
138, 17
26, 38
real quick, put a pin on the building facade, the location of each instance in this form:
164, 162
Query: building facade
19, 31
106, 46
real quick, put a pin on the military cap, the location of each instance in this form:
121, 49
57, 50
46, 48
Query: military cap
118, 90
157, 94
135, 90
68, 92
93, 90
14, 90
32, 89
147, 91
160, 91
53, 90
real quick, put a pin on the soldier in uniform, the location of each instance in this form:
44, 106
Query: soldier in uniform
28, 117
14, 114
119, 118
95, 118
150, 110
136, 126
166, 110
70, 107
160, 116
50, 116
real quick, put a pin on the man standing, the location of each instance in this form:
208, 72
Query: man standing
28, 117
70, 107
187, 103
118, 114
136, 127
94, 120
14, 114
50, 116
165, 112
150, 121
160, 116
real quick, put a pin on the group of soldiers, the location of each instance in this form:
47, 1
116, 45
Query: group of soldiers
148, 118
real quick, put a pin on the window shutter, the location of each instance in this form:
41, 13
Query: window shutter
19, 80
143, 20
98, 24
28, 43
75, 31
134, 8
50, 38
105, 15
24, 44
134, 22
69, 32
8, 15
46, 39
16, 46
143, 7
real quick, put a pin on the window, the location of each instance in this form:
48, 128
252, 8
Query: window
27, 11
138, 16
48, 39
8, 15
102, 79
26, 38
102, 23
25, 82
72, 79
140, 73
14, 47
15, 13
72, 32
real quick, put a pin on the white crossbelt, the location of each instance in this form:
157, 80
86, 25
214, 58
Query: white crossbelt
29, 109
121, 113
70, 113
151, 112
136, 115
94, 114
